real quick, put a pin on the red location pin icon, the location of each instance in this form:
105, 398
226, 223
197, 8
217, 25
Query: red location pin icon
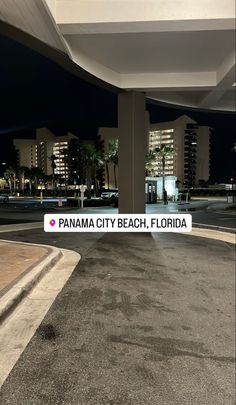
52, 222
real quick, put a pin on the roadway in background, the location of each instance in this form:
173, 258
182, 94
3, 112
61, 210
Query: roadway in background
203, 212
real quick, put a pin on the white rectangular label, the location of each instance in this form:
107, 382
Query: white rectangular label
118, 223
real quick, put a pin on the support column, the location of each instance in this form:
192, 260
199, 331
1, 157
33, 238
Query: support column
132, 127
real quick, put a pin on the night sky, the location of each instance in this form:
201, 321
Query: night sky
35, 92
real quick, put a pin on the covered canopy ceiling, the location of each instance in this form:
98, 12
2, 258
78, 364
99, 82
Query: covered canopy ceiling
180, 51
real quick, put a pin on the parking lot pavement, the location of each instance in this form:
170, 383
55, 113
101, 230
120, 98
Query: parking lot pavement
142, 320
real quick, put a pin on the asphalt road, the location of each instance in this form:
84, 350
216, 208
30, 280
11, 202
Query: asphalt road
23, 213
142, 321
221, 219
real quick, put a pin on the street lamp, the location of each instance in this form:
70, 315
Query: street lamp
41, 187
82, 188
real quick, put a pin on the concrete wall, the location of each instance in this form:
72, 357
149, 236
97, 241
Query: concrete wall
45, 141
26, 152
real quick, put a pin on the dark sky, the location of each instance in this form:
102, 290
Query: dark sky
35, 92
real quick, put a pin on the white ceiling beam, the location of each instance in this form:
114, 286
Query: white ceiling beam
51, 4
160, 81
33, 18
178, 97
92, 66
223, 75
225, 78
105, 11
146, 26
107, 16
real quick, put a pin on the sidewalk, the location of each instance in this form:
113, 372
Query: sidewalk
16, 260
31, 276
22, 265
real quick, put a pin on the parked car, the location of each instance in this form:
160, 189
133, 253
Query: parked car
109, 194
4, 198
116, 200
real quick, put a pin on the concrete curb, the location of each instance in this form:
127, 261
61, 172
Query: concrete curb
213, 234
227, 212
214, 227
11, 299
19, 328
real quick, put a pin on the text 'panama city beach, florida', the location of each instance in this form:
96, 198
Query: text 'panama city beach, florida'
117, 223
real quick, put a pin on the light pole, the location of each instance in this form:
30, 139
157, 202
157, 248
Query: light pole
82, 188
41, 188
75, 188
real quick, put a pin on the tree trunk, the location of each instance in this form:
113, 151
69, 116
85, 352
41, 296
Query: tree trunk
95, 183
14, 183
10, 186
163, 176
114, 167
108, 176
53, 181
23, 182
89, 181
36, 183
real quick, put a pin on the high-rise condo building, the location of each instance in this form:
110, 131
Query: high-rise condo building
190, 161
38, 152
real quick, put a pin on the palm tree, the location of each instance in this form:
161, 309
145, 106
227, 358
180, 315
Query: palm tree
53, 159
150, 160
163, 152
106, 159
30, 177
23, 174
35, 175
10, 176
98, 165
113, 157
93, 160
88, 152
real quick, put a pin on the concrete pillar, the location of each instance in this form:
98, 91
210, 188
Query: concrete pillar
132, 127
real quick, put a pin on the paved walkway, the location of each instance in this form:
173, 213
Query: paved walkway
17, 259
144, 319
